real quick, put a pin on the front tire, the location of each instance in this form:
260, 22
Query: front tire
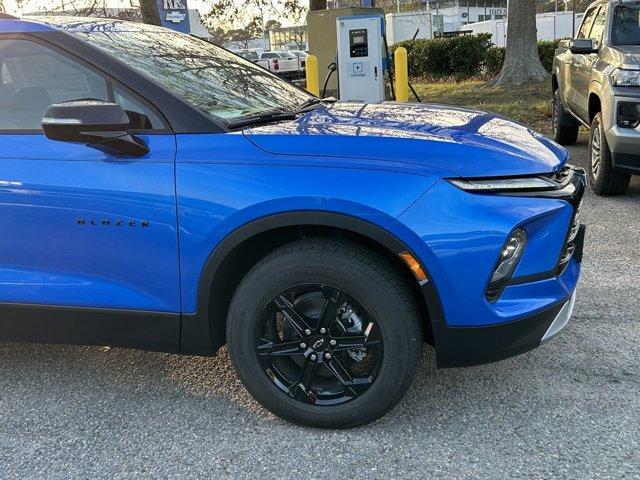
603, 178
325, 333
565, 131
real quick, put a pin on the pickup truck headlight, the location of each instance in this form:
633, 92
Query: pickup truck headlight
503, 184
625, 78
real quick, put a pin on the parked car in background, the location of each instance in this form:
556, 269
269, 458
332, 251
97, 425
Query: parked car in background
159, 192
283, 64
302, 58
596, 83
251, 55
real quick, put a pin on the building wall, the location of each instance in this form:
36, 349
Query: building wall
550, 26
404, 25
287, 38
462, 12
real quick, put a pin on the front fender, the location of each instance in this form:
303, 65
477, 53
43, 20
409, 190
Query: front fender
214, 200
461, 236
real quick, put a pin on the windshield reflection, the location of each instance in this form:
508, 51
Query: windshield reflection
212, 79
626, 25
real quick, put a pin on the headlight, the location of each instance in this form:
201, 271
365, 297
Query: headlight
503, 184
507, 263
625, 78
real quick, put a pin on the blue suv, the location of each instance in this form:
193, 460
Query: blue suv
161, 193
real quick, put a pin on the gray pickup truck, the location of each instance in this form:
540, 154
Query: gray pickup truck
596, 83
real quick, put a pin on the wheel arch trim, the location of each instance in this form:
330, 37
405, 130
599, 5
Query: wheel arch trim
198, 336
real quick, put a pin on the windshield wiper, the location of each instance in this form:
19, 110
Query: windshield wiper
265, 117
313, 102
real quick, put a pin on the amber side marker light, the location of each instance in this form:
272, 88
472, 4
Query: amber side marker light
415, 266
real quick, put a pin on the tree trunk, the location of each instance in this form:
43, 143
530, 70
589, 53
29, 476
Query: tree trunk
522, 62
149, 12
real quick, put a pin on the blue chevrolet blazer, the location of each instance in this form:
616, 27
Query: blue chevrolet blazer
159, 192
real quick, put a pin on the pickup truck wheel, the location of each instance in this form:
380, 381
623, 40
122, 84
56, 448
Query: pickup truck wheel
325, 333
604, 179
565, 132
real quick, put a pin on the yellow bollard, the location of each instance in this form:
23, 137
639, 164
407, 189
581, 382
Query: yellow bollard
313, 81
402, 74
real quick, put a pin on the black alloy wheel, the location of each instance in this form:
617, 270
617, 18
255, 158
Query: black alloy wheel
325, 333
603, 177
319, 344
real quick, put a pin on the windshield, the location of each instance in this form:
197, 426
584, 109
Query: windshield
626, 25
212, 79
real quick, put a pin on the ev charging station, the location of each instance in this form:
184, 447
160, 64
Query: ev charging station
361, 57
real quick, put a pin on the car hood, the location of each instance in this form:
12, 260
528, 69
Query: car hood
463, 142
626, 56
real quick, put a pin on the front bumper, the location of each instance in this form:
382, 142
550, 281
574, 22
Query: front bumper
468, 346
625, 145
537, 301
623, 142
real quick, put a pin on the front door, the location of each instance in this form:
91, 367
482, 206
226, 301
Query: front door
582, 65
88, 241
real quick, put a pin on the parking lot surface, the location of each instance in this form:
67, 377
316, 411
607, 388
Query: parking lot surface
570, 409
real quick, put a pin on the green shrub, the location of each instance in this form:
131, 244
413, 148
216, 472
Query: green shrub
494, 57
467, 54
547, 50
493, 60
463, 57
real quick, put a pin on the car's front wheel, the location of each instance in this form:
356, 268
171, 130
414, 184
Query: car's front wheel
603, 178
325, 333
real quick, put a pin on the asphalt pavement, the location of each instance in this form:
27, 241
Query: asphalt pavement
570, 409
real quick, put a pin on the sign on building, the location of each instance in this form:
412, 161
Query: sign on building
174, 14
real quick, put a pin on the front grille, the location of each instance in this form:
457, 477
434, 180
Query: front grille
574, 181
569, 247
570, 183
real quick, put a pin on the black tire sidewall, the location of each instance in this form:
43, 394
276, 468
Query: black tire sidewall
558, 115
597, 124
277, 274
609, 181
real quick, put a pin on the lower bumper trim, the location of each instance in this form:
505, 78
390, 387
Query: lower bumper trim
467, 346
561, 320
627, 163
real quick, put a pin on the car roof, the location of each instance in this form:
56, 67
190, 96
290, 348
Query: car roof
619, 2
44, 23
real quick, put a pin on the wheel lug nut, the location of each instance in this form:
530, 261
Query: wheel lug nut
333, 343
307, 332
323, 330
313, 357
327, 356
303, 345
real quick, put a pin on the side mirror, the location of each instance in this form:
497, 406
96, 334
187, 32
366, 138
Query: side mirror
94, 123
583, 46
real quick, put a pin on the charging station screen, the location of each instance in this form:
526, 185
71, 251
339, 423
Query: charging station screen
358, 44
